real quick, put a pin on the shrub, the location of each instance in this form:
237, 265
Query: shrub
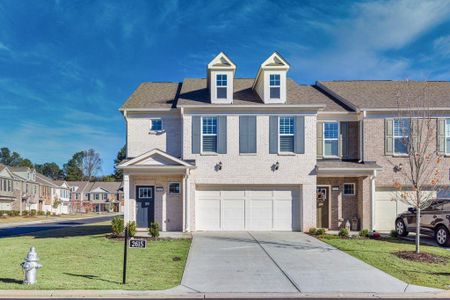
364, 233
153, 230
14, 213
312, 230
343, 233
132, 228
33, 212
41, 213
394, 233
117, 226
320, 231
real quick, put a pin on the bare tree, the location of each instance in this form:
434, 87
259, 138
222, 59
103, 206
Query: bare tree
419, 175
91, 163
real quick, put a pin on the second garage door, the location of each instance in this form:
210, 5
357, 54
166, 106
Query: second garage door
247, 208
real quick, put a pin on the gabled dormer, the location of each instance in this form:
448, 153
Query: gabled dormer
221, 72
270, 82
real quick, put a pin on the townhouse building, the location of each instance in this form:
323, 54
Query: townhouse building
96, 196
8, 195
265, 153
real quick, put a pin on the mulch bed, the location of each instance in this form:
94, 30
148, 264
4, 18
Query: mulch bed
421, 257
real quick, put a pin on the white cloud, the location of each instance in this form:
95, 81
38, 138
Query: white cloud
442, 46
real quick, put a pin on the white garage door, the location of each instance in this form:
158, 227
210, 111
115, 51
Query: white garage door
247, 208
386, 209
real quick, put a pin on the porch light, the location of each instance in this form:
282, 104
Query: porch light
219, 166
275, 166
398, 168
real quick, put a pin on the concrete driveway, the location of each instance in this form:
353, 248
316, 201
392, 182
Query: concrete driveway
279, 262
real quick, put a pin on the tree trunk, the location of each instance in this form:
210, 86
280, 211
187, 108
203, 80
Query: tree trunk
418, 230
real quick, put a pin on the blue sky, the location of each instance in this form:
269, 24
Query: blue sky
67, 66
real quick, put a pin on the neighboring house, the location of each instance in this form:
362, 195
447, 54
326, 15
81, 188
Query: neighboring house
264, 153
63, 195
28, 195
105, 196
47, 193
78, 196
96, 196
7, 194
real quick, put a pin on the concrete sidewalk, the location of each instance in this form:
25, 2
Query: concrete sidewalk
184, 293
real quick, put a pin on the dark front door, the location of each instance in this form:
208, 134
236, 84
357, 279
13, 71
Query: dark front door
145, 206
322, 207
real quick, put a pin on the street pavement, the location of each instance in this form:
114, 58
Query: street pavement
20, 229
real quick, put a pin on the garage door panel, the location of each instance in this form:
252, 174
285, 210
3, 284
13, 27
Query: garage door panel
208, 212
260, 214
282, 215
233, 214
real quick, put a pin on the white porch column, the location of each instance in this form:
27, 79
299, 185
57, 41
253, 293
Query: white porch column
184, 202
126, 197
188, 205
164, 210
372, 198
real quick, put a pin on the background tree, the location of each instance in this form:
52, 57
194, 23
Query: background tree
51, 170
10, 159
26, 163
73, 169
121, 155
419, 175
91, 164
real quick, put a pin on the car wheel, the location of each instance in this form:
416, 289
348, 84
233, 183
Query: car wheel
442, 236
401, 228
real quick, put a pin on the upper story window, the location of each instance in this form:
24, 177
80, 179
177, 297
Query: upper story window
401, 128
447, 136
156, 125
221, 83
331, 139
275, 86
209, 134
286, 134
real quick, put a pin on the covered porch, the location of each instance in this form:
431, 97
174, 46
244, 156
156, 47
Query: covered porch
346, 194
156, 189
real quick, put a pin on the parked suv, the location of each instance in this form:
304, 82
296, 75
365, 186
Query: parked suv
435, 221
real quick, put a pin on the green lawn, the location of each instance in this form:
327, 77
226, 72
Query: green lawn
378, 253
82, 258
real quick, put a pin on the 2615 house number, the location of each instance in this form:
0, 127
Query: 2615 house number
138, 243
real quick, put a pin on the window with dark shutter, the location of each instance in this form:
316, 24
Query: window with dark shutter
286, 134
209, 134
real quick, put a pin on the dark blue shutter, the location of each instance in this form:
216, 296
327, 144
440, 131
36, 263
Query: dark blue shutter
247, 134
299, 142
273, 134
222, 134
196, 134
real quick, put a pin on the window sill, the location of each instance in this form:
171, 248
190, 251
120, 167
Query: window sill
247, 154
331, 157
400, 155
209, 154
157, 132
286, 154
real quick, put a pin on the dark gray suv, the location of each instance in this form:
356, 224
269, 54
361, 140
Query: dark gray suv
435, 221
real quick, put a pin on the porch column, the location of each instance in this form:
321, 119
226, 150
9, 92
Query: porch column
126, 198
372, 198
164, 210
184, 202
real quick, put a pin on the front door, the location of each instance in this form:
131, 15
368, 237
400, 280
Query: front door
322, 207
145, 206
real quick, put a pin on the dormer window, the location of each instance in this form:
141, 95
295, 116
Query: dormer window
221, 82
156, 125
275, 86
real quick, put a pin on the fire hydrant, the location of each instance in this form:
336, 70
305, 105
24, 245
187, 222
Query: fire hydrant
30, 266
